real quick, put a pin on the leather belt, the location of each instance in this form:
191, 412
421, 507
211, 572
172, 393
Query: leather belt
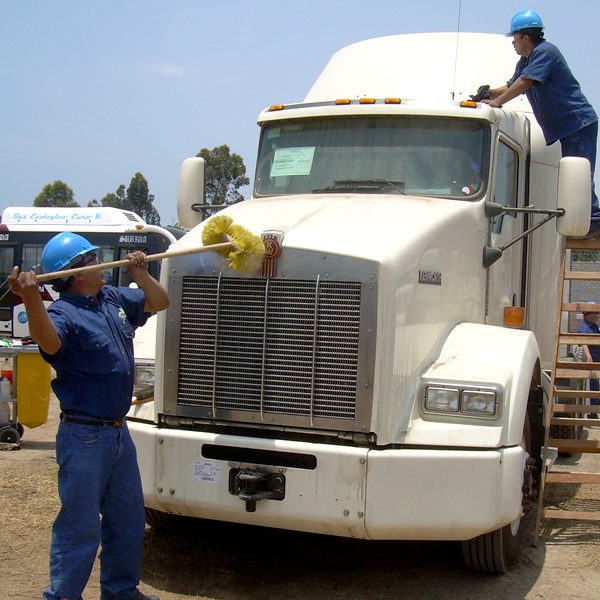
86, 421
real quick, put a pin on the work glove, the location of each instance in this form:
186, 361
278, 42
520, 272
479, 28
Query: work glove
483, 93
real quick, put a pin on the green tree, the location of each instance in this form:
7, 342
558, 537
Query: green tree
141, 201
225, 174
115, 199
135, 198
57, 193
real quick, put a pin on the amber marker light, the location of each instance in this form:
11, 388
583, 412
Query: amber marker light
468, 104
514, 316
276, 107
341, 101
366, 101
392, 101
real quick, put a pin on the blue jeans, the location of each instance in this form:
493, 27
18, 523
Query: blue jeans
583, 143
98, 476
594, 387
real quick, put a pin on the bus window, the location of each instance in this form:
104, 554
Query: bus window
7, 262
124, 276
32, 258
107, 254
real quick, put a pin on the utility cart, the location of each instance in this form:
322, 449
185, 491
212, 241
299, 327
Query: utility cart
27, 403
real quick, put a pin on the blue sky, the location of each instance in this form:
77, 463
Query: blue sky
93, 92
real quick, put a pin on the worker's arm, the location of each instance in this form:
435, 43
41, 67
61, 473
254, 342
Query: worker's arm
503, 94
156, 295
41, 327
587, 353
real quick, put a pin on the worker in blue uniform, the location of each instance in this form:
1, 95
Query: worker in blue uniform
561, 109
591, 352
87, 337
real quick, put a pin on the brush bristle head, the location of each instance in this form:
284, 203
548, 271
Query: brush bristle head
215, 232
248, 252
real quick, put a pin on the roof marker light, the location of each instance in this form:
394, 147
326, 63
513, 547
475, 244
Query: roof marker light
392, 101
366, 100
276, 107
468, 104
341, 101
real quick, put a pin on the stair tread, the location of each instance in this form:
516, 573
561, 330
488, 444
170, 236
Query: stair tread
584, 446
582, 275
578, 338
583, 366
578, 306
571, 515
582, 243
575, 408
575, 422
578, 373
572, 477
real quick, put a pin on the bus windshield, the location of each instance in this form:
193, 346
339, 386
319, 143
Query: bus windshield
420, 156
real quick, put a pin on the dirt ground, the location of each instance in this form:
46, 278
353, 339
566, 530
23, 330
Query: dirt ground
224, 562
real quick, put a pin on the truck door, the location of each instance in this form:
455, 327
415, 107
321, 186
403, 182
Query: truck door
505, 277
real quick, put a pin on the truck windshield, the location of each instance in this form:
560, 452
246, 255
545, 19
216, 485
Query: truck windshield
420, 156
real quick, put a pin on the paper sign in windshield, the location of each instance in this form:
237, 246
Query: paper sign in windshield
292, 161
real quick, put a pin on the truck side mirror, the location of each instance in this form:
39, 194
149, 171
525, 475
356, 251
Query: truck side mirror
191, 192
574, 196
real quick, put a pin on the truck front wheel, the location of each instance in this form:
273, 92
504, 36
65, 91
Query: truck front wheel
495, 551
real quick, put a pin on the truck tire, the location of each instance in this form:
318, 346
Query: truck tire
164, 521
495, 551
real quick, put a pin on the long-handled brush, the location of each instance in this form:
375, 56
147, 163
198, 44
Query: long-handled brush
243, 250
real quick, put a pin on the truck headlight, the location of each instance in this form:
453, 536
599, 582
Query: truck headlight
440, 399
461, 400
478, 402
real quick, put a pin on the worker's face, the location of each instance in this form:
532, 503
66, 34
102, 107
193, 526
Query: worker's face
520, 44
593, 317
92, 278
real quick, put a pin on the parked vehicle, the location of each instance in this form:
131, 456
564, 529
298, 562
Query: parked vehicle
381, 377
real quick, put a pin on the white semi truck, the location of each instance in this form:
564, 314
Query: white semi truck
382, 376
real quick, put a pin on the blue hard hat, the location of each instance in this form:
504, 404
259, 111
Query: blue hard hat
525, 19
63, 250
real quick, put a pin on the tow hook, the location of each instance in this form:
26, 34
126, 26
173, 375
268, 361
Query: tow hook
251, 486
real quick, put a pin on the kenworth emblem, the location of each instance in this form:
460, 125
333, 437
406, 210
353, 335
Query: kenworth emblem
272, 241
430, 277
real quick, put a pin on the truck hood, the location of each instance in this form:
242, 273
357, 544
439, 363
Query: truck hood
369, 227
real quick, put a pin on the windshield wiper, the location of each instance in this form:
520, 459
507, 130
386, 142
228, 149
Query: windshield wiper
362, 185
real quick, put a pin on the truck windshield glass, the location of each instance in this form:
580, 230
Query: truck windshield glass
420, 156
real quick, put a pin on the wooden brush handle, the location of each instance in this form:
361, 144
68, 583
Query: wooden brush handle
120, 263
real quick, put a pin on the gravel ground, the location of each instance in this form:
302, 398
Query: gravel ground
224, 562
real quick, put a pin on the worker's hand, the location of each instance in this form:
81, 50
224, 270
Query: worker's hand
23, 284
492, 103
483, 93
137, 265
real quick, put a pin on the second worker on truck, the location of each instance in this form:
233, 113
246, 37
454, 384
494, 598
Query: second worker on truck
561, 109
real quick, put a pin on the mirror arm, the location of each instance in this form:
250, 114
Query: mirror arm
491, 254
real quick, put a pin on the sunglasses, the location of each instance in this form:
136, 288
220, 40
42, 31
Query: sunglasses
90, 259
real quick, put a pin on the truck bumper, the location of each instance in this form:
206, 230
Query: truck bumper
416, 494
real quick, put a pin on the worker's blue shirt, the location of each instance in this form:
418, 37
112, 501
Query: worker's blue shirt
589, 327
95, 365
557, 101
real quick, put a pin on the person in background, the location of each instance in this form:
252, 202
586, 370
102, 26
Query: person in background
561, 109
589, 324
87, 337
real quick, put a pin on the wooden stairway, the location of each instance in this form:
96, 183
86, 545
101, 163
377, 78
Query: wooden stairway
568, 409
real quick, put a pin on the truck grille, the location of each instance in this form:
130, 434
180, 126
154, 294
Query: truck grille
269, 346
